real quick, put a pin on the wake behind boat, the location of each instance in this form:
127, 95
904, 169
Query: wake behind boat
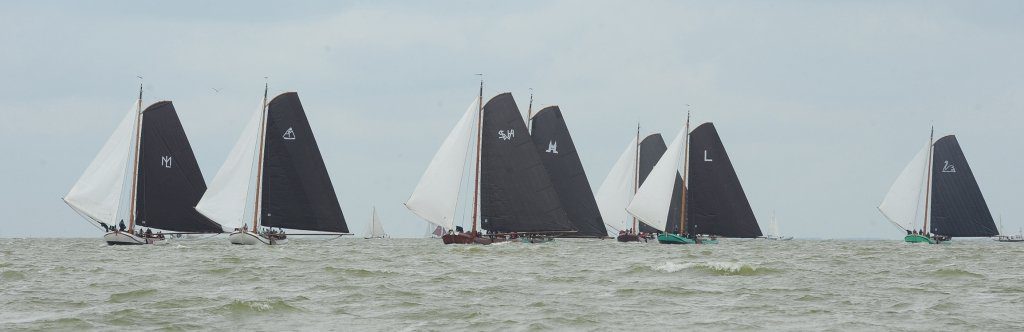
940, 179
146, 174
274, 177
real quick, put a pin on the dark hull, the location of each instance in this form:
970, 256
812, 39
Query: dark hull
464, 238
628, 238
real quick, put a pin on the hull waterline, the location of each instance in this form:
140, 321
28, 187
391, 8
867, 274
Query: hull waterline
250, 238
916, 238
117, 238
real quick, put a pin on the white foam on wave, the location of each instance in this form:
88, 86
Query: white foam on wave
727, 267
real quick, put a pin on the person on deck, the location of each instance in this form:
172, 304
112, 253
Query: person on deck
149, 232
121, 225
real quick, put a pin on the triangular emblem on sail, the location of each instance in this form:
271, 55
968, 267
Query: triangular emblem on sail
289, 134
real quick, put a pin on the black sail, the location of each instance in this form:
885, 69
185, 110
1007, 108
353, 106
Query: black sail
515, 191
297, 191
716, 203
557, 151
651, 149
958, 207
170, 182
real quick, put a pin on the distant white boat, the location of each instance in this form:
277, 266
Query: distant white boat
376, 230
1019, 237
773, 227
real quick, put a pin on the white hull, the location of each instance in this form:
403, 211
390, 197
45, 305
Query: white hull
122, 238
250, 238
779, 238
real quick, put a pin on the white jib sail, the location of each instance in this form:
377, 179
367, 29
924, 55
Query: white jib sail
437, 193
229, 199
652, 200
904, 204
376, 229
617, 190
99, 192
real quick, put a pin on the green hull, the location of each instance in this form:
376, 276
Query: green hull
915, 238
674, 239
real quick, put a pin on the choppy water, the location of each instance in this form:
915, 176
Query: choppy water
420, 284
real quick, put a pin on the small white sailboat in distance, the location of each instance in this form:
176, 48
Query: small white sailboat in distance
773, 228
376, 230
1019, 237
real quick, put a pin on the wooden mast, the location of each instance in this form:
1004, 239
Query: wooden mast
686, 164
135, 162
529, 113
256, 215
928, 187
636, 170
479, 133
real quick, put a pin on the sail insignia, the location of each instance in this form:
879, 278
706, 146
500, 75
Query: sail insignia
958, 208
297, 191
716, 203
170, 182
516, 193
566, 172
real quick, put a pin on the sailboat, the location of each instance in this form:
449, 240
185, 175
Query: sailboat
712, 203
512, 191
274, 177
1019, 237
555, 146
375, 230
146, 174
773, 225
629, 172
940, 179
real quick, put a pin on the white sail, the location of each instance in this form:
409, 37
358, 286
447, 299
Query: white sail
437, 194
774, 225
376, 230
903, 205
100, 190
229, 199
652, 200
617, 190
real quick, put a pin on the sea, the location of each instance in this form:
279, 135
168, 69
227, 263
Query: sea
352, 284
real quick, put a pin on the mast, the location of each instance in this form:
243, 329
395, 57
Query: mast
259, 163
636, 170
529, 113
686, 164
135, 162
928, 187
479, 136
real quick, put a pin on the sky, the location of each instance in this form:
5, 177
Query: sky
820, 104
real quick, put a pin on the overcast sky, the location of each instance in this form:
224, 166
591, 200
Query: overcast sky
820, 104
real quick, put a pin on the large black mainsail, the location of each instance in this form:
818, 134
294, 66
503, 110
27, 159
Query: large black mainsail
170, 182
297, 192
651, 149
958, 207
515, 191
716, 203
557, 151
